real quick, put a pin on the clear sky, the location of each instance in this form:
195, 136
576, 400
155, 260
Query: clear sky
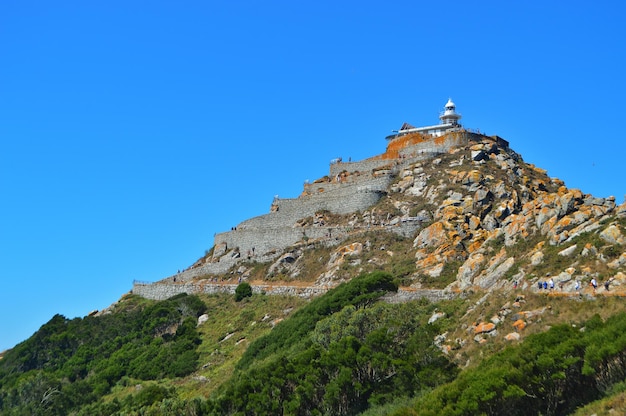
132, 131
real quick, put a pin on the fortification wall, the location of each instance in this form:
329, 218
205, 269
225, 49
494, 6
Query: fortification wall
339, 199
276, 231
427, 149
360, 181
352, 194
366, 166
292, 210
436, 145
278, 240
266, 236
263, 240
163, 291
266, 242
217, 268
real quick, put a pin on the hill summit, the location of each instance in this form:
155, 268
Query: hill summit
443, 276
446, 208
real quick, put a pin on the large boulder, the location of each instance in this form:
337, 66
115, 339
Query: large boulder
483, 327
612, 234
431, 236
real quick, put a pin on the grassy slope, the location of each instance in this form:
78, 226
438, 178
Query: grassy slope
234, 325
229, 330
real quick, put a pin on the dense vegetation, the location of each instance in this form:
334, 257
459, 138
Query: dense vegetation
361, 291
550, 373
68, 364
338, 355
243, 290
344, 353
351, 360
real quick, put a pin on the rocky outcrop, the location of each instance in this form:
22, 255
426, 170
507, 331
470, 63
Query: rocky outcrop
459, 217
466, 210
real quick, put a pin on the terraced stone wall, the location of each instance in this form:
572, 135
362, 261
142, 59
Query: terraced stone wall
162, 291
277, 230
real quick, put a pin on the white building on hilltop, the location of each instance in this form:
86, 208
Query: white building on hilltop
449, 122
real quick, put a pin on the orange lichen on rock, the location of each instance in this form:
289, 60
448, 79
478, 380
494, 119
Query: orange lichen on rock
396, 145
513, 336
484, 327
519, 325
427, 262
351, 249
439, 141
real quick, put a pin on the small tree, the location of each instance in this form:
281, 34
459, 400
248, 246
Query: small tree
243, 290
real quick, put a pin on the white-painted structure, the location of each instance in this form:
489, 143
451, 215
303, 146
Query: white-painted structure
450, 116
449, 121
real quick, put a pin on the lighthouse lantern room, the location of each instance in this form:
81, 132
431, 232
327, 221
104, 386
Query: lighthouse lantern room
449, 115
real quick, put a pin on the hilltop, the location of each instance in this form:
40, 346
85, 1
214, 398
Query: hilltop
391, 284
458, 212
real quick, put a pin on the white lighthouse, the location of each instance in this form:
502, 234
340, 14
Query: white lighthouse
449, 115
449, 122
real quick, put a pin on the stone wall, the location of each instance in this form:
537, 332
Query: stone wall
354, 183
267, 242
162, 291
366, 166
407, 295
342, 200
285, 237
427, 149
217, 268
264, 237
437, 145
277, 230
367, 182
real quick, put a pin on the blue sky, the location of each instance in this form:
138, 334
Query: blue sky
132, 131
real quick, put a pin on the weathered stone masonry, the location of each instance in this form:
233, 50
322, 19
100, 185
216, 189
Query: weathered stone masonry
162, 291
276, 230
351, 187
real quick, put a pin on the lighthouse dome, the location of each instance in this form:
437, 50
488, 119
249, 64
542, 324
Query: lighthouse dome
449, 115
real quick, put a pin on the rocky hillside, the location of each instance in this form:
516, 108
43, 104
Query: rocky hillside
474, 218
469, 226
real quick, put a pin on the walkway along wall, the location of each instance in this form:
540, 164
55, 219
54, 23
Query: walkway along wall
277, 230
351, 187
163, 291
328, 236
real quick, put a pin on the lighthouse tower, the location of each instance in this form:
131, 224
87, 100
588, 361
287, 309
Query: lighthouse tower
449, 122
450, 116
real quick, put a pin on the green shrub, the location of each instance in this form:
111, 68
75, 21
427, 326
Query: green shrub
361, 291
243, 290
550, 373
83, 358
149, 395
354, 358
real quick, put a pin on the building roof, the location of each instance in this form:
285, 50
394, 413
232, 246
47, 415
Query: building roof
406, 126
